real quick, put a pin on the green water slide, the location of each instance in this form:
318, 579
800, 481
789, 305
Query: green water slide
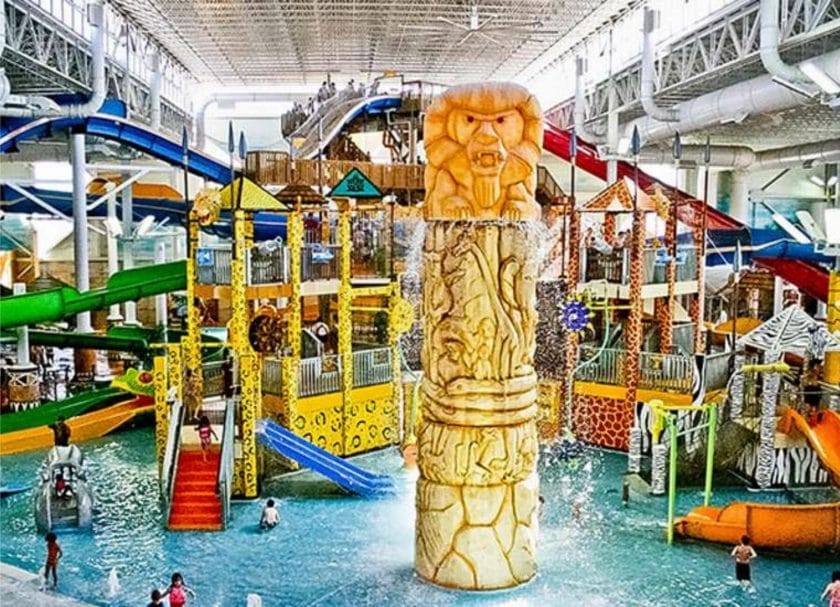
57, 304
69, 407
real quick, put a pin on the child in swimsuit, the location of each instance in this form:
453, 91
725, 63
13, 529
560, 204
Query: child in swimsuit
157, 599
832, 591
743, 554
205, 432
53, 554
178, 591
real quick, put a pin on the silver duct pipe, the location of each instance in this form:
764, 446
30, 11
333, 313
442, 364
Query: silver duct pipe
581, 129
743, 158
758, 95
38, 107
154, 91
646, 88
769, 44
201, 114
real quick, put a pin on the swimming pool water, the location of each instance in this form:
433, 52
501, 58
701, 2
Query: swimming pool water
334, 549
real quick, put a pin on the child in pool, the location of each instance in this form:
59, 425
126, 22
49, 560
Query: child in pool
743, 554
270, 517
157, 599
832, 591
205, 432
53, 554
177, 591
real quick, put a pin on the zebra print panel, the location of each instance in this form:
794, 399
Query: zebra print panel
791, 467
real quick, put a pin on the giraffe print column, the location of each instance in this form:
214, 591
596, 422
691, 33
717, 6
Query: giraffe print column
633, 330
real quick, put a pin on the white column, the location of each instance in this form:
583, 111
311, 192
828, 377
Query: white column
658, 468
19, 288
160, 300
114, 314
739, 206
81, 253
128, 245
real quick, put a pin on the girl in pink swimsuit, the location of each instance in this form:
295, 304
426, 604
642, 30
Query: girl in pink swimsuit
178, 591
832, 591
205, 432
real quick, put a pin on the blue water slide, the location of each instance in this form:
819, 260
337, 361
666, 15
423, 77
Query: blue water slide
116, 128
338, 470
266, 225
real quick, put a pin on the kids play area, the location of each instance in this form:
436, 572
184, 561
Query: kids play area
372, 303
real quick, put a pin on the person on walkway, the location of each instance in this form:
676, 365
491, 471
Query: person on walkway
743, 554
178, 591
53, 554
832, 591
192, 397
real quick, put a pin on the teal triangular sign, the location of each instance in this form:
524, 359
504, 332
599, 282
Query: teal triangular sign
356, 184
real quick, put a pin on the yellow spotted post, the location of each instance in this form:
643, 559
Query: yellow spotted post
191, 342
161, 408
832, 358
345, 319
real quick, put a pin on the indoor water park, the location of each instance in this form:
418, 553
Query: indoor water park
438, 303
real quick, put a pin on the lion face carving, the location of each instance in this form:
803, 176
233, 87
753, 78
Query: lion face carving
483, 142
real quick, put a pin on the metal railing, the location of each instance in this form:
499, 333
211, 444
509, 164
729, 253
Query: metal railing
371, 367
717, 370
268, 266
214, 378
213, 265
272, 376
224, 482
320, 262
319, 375
614, 266
656, 371
170, 455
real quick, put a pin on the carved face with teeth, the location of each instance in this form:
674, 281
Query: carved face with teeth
483, 142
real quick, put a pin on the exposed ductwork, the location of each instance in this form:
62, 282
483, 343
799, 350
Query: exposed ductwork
743, 158
758, 95
580, 107
646, 87
769, 44
21, 106
201, 114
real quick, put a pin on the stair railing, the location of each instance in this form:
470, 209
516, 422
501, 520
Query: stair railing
224, 482
170, 455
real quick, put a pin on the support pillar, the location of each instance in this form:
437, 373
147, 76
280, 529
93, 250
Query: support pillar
191, 342
634, 453
658, 468
345, 317
113, 252
246, 477
633, 329
128, 245
81, 251
160, 300
572, 339
767, 433
739, 205
23, 359
478, 490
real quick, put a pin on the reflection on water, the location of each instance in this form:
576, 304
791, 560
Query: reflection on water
333, 549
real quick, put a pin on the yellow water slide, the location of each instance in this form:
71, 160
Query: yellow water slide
83, 427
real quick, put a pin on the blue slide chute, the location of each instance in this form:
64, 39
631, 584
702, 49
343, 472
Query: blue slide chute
338, 470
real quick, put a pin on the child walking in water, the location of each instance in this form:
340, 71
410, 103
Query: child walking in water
205, 432
743, 554
178, 591
53, 554
832, 591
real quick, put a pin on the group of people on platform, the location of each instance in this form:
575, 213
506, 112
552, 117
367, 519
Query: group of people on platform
621, 240
300, 112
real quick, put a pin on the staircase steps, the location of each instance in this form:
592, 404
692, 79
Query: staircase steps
195, 505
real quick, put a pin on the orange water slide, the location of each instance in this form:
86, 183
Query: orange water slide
824, 437
781, 527
83, 427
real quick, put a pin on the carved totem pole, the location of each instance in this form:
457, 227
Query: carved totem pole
478, 490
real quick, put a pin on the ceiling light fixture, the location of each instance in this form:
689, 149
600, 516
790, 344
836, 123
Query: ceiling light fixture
820, 77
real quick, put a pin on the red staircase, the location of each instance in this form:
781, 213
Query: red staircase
195, 505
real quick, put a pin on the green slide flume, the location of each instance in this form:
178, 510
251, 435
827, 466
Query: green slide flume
57, 304
69, 407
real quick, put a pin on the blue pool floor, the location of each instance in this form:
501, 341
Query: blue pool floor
335, 549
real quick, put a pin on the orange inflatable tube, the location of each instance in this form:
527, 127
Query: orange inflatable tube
82, 427
800, 527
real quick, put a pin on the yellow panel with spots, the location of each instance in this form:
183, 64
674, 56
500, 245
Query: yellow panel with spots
318, 420
370, 421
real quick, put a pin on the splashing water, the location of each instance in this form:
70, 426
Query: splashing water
113, 583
